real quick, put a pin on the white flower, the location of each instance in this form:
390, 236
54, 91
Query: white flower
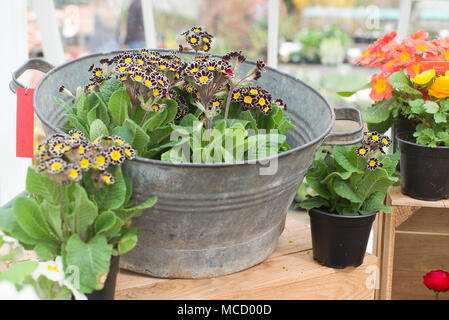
52, 270
8, 291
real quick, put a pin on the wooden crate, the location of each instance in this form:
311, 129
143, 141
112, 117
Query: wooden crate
289, 273
409, 242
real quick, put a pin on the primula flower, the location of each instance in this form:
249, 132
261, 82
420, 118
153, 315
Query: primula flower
437, 280
440, 87
424, 77
382, 88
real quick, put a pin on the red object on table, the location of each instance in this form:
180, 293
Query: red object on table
25, 123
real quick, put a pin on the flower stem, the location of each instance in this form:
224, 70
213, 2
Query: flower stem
437, 294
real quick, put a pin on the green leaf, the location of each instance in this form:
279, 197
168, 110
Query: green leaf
347, 94
92, 260
83, 211
172, 111
344, 189
158, 135
52, 214
92, 114
118, 106
112, 196
41, 186
8, 223
102, 110
141, 139
128, 241
431, 107
128, 213
29, 216
440, 117
347, 158
98, 129
316, 173
383, 126
155, 120
46, 251
374, 203
125, 133
315, 202
18, 271
75, 122
108, 87
105, 222
378, 112
400, 81
63, 104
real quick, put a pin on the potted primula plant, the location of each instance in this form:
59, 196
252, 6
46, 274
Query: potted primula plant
412, 92
78, 210
350, 184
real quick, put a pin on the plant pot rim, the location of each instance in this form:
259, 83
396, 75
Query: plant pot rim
330, 214
418, 145
312, 142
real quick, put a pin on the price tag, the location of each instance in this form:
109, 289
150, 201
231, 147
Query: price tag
25, 123
440, 66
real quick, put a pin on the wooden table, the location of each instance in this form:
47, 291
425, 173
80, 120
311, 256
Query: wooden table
289, 273
409, 242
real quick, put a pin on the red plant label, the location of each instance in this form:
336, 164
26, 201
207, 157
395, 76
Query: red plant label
25, 123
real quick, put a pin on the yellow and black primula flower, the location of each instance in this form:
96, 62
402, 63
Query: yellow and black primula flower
373, 163
73, 172
203, 77
362, 151
106, 178
116, 155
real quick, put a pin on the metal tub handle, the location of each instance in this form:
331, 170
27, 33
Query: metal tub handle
36, 64
346, 137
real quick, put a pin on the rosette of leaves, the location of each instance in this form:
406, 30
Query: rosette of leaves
145, 97
352, 180
78, 206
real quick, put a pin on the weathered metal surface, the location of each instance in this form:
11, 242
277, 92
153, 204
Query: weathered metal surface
211, 219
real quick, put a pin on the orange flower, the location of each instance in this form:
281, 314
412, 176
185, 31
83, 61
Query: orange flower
440, 87
382, 88
419, 35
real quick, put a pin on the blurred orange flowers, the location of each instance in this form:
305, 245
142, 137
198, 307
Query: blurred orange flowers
390, 56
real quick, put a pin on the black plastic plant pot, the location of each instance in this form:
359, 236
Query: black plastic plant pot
108, 291
339, 241
424, 170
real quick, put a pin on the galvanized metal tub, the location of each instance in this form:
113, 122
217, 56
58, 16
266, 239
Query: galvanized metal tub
210, 219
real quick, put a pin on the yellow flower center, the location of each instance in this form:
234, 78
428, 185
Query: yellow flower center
84, 163
56, 166
385, 141
128, 152
155, 107
205, 39
193, 40
372, 163
405, 56
204, 79
155, 91
236, 95
162, 66
253, 91
216, 103
107, 179
53, 268
73, 173
81, 150
138, 78
119, 141
194, 70
262, 101
211, 68
128, 60
98, 73
116, 155
148, 83
266, 109
123, 78
380, 85
161, 82
362, 151
205, 47
375, 137
140, 61
248, 99
100, 160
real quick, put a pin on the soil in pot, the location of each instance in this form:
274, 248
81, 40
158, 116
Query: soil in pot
108, 291
424, 170
339, 241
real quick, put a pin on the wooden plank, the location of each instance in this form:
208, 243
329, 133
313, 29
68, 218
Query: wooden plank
408, 285
399, 199
277, 278
431, 220
387, 254
421, 252
402, 214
